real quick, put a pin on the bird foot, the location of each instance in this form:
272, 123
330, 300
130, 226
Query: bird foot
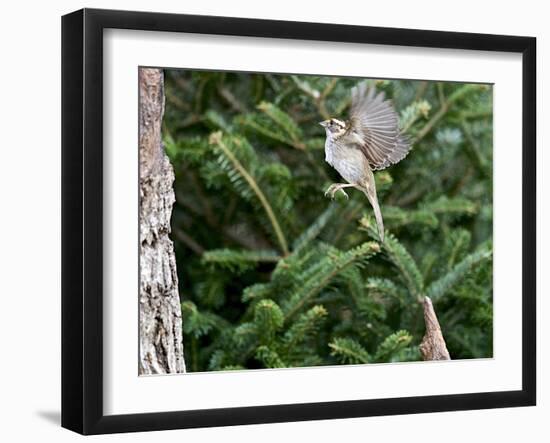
334, 188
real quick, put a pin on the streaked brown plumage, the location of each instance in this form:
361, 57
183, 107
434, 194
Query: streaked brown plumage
369, 141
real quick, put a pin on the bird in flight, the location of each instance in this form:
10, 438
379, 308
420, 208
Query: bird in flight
369, 141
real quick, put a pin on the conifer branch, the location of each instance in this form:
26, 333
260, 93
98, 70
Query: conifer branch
328, 269
445, 205
441, 286
406, 265
396, 217
444, 108
269, 357
412, 113
459, 241
306, 325
239, 260
252, 122
216, 138
314, 229
392, 345
474, 150
349, 351
400, 257
285, 122
317, 97
268, 318
383, 286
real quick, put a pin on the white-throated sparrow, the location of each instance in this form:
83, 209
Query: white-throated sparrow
369, 140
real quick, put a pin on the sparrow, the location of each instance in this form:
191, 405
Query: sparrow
369, 141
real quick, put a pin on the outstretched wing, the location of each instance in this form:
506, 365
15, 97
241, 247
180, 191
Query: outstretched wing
376, 124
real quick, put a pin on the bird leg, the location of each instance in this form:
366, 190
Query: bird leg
335, 187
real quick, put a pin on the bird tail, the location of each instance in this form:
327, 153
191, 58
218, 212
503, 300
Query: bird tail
370, 192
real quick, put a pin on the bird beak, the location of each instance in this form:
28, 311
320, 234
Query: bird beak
324, 123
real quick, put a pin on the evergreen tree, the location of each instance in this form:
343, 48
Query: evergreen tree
274, 274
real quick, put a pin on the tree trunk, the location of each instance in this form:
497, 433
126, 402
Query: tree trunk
433, 345
160, 324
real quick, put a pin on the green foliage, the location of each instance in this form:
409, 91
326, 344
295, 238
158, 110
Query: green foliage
441, 286
238, 261
349, 351
273, 274
392, 346
318, 276
412, 113
268, 319
406, 265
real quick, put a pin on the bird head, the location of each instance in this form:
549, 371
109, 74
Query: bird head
333, 126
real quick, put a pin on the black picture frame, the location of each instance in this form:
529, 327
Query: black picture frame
82, 218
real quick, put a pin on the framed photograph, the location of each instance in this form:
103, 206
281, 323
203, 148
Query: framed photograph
269, 221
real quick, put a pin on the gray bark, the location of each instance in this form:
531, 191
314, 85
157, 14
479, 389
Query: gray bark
433, 345
160, 324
